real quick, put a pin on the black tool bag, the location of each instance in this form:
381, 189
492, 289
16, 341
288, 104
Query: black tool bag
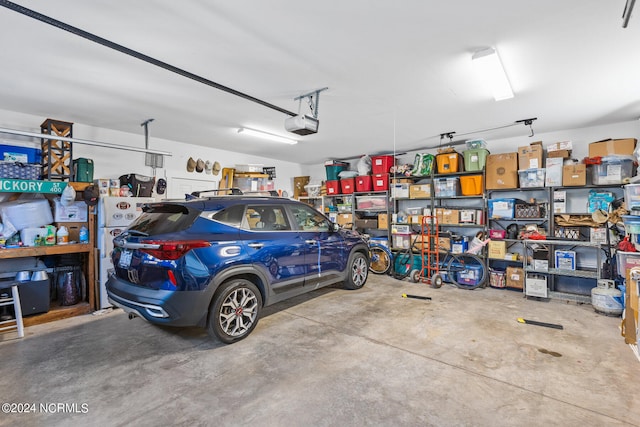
139, 185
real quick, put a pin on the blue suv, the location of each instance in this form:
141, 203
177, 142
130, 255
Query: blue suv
216, 262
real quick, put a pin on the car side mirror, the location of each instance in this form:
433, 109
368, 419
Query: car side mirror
335, 227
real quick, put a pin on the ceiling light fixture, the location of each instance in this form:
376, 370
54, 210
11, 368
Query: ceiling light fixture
488, 64
267, 135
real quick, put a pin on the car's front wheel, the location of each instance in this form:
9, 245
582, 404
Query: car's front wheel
358, 271
235, 311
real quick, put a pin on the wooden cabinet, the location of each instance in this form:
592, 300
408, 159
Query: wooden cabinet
86, 249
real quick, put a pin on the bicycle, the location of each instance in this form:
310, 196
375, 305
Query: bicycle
465, 270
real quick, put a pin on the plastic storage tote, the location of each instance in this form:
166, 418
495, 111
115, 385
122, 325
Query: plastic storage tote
334, 169
446, 187
448, 162
501, 208
364, 183
474, 159
382, 164
333, 187
632, 197
381, 182
471, 185
531, 178
347, 185
613, 170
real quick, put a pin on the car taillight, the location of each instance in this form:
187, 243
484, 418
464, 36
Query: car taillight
173, 249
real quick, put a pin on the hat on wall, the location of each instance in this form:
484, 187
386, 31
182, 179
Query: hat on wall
161, 186
207, 167
191, 164
199, 166
90, 195
216, 168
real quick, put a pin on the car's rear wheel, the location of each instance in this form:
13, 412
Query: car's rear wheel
235, 311
358, 271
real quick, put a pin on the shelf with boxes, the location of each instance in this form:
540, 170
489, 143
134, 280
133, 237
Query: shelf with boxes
546, 261
46, 192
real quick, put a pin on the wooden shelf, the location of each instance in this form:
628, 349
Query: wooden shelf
45, 250
57, 313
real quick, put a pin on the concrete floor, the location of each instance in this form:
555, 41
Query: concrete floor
335, 357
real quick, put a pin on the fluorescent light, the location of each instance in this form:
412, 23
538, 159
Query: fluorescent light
267, 135
490, 67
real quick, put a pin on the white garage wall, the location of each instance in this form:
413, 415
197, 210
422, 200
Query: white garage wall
579, 137
110, 163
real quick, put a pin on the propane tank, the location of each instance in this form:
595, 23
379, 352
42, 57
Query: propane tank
606, 299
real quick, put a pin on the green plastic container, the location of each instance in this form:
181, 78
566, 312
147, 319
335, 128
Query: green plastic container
83, 170
334, 169
475, 159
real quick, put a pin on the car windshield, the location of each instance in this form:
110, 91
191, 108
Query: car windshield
162, 219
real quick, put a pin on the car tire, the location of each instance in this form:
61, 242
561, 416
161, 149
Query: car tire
235, 311
357, 271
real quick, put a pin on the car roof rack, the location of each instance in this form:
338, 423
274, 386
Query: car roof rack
232, 192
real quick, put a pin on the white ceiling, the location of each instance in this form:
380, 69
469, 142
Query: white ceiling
397, 72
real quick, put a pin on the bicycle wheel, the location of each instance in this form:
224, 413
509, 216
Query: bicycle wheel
466, 271
380, 259
403, 264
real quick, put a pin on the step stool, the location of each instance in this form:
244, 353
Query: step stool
14, 299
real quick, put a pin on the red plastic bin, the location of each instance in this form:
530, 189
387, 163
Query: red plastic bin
333, 187
381, 182
382, 164
364, 183
347, 185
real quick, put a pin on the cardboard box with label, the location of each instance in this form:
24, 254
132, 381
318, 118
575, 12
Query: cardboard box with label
497, 249
75, 212
557, 146
530, 156
559, 154
502, 171
450, 216
536, 286
344, 219
444, 244
612, 146
515, 277
553, 177
574, 175
383, 221
419, 191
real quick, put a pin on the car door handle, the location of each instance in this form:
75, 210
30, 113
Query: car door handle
256, 245
311, 242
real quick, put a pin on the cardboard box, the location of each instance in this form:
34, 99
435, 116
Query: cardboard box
444, 244
574, 175
515, 277
559, 201
344, 218
383, 221
501, 171
530, 156
560, 154
74, 229
562, 145
76, 212
497, 249
536, 286
553, 177
450, 216
612, 146
565, 260
366, 223
400, 191
419, 191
